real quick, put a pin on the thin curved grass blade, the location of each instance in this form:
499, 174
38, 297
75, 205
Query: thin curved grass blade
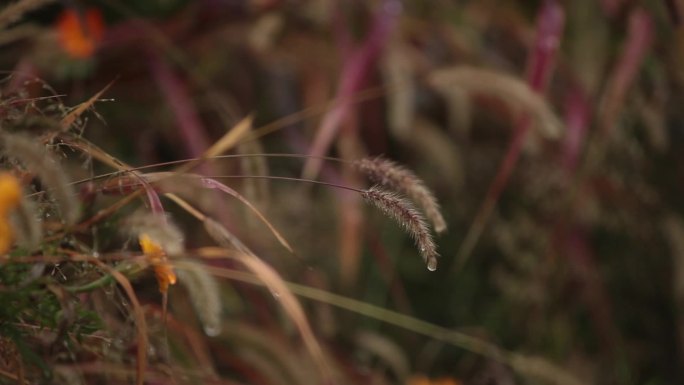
278, 289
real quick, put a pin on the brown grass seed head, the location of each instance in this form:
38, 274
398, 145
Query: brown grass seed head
395, 177
402, 211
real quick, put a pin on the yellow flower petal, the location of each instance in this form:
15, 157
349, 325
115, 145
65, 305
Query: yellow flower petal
10, 192
162, 270
6, 235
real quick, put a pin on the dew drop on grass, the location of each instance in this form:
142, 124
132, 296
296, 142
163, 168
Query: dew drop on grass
432, 264
212, 331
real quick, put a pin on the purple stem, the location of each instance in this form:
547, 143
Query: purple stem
540, 65
355, 70
177, 96
639, 41
577, 117
155, 203
592, 290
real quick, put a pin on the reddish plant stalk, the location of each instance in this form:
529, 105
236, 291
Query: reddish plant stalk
639, 41
540, 65
577, 117
181, 104
353, 76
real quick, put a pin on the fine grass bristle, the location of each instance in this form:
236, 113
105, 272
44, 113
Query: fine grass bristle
510, 89
205, 295
222, 236
278, 288
402, 211
395, 177
26, 225
159, 229
38, 161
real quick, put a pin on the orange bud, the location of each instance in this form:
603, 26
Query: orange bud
79, 34
10, 192
162, 270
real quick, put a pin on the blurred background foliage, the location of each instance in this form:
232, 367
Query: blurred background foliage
548, 130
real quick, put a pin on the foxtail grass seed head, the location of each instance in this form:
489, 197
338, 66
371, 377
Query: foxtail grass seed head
37, 160
26, 224
159, 228
397, 178
402, 211
158, 238
205, 295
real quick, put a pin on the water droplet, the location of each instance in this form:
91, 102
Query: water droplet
276, 295
432, 264
212, 330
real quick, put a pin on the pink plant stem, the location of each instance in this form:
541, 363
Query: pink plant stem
192, 131
355, 70
592, 290
176, 94
612, 7
577, 117
155, 203
575, 242
639, 41
550, 23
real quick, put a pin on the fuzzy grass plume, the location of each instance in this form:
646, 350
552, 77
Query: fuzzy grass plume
205, 295
159, 229
37, 160
402, 211
395, 177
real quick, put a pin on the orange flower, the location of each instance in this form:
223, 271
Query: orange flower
10, 196
157, 257
10, 192
79, 33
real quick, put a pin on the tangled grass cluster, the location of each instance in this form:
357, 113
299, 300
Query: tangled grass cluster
69, 270
547, 129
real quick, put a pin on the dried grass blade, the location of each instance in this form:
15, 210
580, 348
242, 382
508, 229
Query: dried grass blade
387, 350
551, 372
255, 189
277, 287
99, 154
94, 151
227, 141
231, 138
213, 184
71, 117
140, 324
291, 364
